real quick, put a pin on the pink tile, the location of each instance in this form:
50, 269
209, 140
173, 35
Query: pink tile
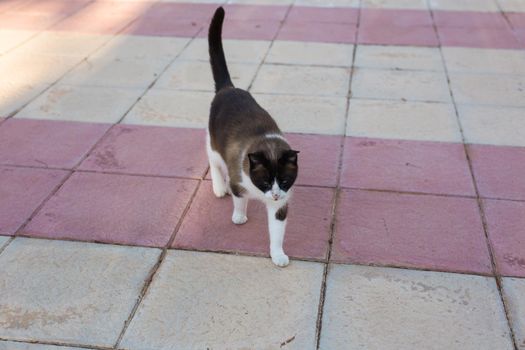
107, 208
86, 23
499, 171
505, 223
307, 231
52, 7
398, 18
429, 232
517, 20
27, 21
192, 11
398, 35
22, 190
165, 27
150, 151
412, 166
316, 14
318, 31
520, 34
253, 29
478, 38
470, 19
254, 12
43, 143
10, 4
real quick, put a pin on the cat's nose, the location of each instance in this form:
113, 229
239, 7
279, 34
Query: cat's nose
275, 196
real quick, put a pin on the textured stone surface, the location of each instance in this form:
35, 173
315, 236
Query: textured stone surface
305, 53
398, 57
23, 190
94, 288
428, 232
14, 95
114, 209
63, 43
205, 296
462, 59
514, 290
382, 308
11, 345
236, 51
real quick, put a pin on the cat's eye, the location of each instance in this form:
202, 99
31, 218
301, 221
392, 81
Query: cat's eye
284, 182
266, 184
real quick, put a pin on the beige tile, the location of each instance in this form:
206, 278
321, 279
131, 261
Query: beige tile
108, 72
306, 114
397, 85
322, 81
3, 242
236, 51
70, 292
11, 345
512, 5
220, 301
514, 290
35, 69
196, 75
395, 4
403, 120
305, 53
261, 2
63, 43
328, 3
464, 5
489, 89
461, 59
79, 103
398, 57
142, 48
493, 125
12, 38
383, 308
189, 109
15, 95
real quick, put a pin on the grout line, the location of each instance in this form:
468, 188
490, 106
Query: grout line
322, 297
59, 344
8, 242
479, 199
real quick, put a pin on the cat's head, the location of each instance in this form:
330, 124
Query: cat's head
275, 173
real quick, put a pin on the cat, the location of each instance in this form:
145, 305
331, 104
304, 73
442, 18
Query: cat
249, 156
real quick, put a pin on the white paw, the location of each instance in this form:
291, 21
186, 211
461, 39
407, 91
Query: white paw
219, 190
280, 259
239, 219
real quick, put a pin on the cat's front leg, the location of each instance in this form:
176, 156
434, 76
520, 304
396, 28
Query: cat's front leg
277, 217
240, 207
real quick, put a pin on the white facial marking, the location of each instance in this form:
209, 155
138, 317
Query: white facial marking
275, 193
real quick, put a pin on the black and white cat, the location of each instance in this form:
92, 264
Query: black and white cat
248, 154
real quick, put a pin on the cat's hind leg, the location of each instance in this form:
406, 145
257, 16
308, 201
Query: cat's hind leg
217, 171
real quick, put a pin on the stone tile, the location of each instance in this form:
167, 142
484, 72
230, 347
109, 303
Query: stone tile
250, 310
3, 242
379, 34
249, 29
14, 95
398, 57
11, 345
251, 2
82, 103
51, 7
395, 4
9, 39
412, 166
237, 51
113, 209
195, 11
470, 19
123, 73
196, 75
307, 231
478, 38
517, 20
150, 151
318, 31
246, 12
400, 85
188, 109
464, 5
505, 220
303, 53
327, 3
379, 308
512, 5
95, 287
514, 289
426, 232
35, 69
63, 44
306, 114
47, 143
493, 125
498, 171
165, 27
23, 190
403, 120
326, 15
494, 89
10, 4
292, 80
394, 17
462, 59
28, 21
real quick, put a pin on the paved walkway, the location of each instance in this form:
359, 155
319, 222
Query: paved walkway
407, 230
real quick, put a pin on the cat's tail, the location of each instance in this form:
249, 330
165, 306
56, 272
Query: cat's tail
217, 59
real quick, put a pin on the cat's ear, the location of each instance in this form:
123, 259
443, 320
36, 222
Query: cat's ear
256, 159
290, 156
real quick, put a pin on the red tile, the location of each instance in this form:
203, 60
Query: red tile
44, 143
505, 224
28, 21
517, 20
208, 225
478, 38
429, 232
499, 171
86, 23
316, 14
470, 19
108, 8
253, 30
397, 18
107, 208
254, 12
398, 35
150, 151
520, 34
165, 27
6, 5
318, 31
194, 11
22, 190
52, 7
413, 166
